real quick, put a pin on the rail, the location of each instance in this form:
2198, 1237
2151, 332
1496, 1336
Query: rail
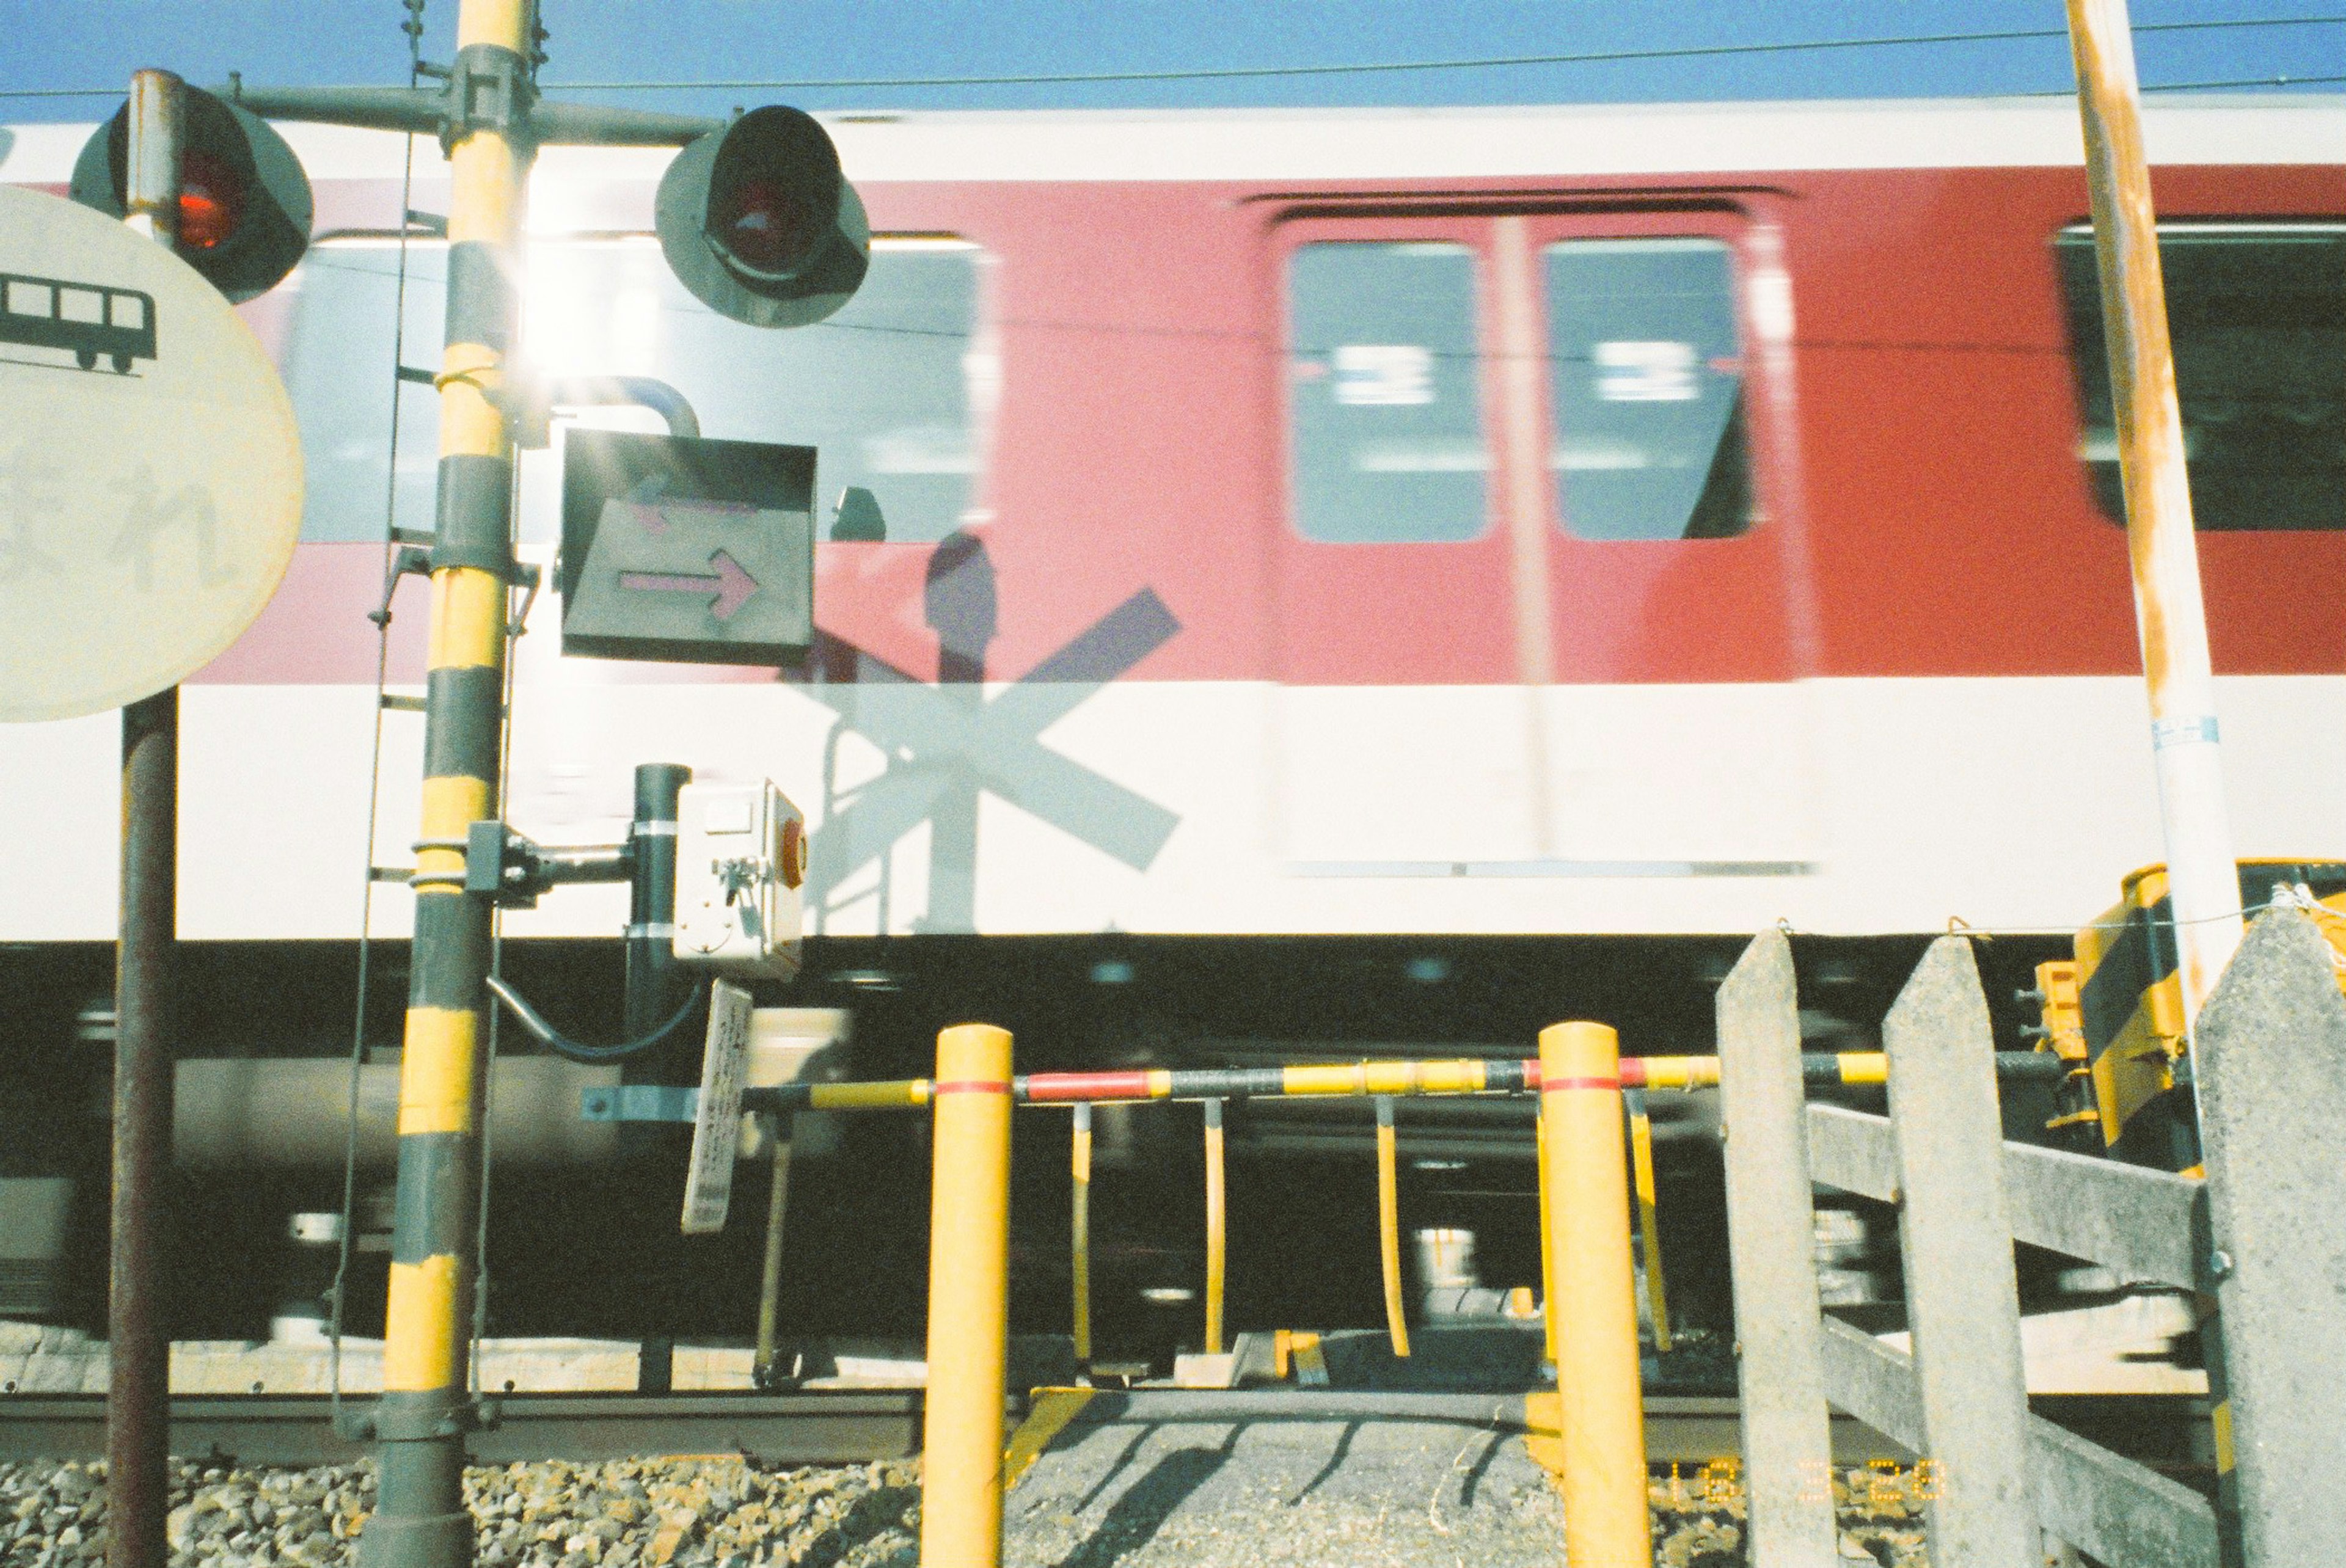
2259, 1237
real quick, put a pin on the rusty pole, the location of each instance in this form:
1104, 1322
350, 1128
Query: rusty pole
2203, 880
139, 1344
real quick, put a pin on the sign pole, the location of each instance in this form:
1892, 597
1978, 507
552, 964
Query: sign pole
2202, 879
137, 1396
420, 1521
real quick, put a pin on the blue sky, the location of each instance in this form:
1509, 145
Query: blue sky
96, 42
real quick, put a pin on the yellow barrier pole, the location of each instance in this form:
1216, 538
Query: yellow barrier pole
1649, 1225
1389, 1224
1595, 1312
969, 1267
1217, 1232
1080, 1233
769, 1284
1547, 1240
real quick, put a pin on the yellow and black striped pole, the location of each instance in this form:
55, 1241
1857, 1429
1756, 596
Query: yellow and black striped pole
420, 1521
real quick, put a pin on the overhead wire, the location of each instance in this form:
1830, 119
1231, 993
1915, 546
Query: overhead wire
1395, 68
1387, 68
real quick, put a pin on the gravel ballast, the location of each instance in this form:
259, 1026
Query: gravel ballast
1487, 1507
688, 1512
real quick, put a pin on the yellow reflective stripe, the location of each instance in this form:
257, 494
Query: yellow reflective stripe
2221, 1419
1680, 1072
1079, 1238
424, 1349
504, 23
1052, 1410
1546, 1246
435, 1070
1389, 1233
1322, 1079
1649, 1230
896, 1093
1160, 1082
1863, 1067
468, 620
1216, 1238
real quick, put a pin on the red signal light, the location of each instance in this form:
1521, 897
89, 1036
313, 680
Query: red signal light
212, 202
764, 226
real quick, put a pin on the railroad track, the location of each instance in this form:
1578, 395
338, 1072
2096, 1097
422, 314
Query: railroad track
855, 1426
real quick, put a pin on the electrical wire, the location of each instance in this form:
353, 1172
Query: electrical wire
414, 30
1388, 68
561, 1044
1393, 67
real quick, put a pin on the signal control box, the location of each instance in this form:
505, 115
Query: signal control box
741, 863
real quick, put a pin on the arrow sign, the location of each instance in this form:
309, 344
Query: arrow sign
677, 548
731, 585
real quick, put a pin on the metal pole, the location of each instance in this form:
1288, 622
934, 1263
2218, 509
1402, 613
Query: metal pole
1546, 1238
1080, 1234
1389, 1227
420, 1521
969, 1300
1217, 1226
138, 1337
1650, 1214
1595, 1312
2203, 880
770, 1283
651, 913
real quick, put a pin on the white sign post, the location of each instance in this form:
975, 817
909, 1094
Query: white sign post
717, 1116
150, 470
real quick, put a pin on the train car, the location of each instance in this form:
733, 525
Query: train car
1314, 582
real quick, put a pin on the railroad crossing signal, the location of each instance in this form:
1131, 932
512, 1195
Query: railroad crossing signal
758, 223
676, 548
244, 202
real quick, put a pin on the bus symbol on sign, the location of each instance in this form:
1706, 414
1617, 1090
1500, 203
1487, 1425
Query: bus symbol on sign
88, 320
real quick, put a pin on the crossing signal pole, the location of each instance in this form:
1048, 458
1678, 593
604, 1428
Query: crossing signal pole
758, 223
137, 1331
420, 1518
2203, 880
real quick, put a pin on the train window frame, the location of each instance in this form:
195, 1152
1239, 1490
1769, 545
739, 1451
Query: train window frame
2071, 253
981, 380
1672, 231
1469, 237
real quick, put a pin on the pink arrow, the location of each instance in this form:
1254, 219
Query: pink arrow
731, 585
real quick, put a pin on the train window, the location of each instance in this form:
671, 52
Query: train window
1388, 442
337, 366
1647, 385
2258, 315
893, 391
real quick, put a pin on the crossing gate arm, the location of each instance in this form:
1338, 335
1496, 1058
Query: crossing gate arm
2105, 1505
2149, 1227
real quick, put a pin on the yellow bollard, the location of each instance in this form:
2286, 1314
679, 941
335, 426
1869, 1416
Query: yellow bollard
1080, 1233
1217, 1228
1389, 1225
969, 1267
1594, 1312
1649, 1223
1547, 1247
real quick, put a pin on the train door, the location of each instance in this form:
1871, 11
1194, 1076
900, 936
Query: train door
1674, 733
1534, 618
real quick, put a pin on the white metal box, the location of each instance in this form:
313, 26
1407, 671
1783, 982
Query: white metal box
740, 862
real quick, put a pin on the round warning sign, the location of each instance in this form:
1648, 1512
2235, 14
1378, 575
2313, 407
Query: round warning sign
151, 471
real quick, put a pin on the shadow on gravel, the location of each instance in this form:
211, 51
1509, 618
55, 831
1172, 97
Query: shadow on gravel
1335, 1463
1134, 1519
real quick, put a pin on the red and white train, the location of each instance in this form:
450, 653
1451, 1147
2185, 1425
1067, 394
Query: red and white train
1595, 520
